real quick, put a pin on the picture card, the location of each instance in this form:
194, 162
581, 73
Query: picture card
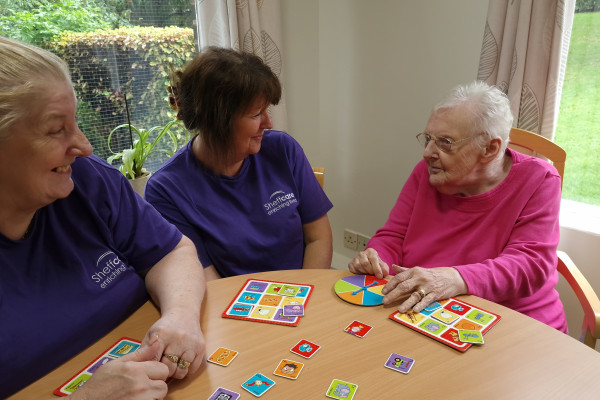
258, 384
288, 369
224, 394
293, 310
265, 301
341, 390
305, 348
444, 323
222, 356
359, 329
399, 363
122, 347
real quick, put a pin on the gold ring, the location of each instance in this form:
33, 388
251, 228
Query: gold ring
173, 358
183, 364
421, 292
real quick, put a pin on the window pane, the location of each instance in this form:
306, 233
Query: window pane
121, 71
578, 128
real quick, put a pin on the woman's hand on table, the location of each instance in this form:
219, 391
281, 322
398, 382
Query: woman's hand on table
181, 340
136, 376
423, 286
368, 262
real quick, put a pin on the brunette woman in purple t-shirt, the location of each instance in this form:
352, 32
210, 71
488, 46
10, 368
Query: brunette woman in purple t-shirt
474, 217
245, 194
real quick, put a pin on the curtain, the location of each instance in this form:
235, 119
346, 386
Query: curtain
245, 25
524, 53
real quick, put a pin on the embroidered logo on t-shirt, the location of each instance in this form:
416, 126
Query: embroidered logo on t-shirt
279, 200
109, 266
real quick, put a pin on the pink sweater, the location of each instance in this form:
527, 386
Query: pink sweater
503, 242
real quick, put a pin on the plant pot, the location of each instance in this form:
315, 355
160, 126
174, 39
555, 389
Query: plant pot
139, 184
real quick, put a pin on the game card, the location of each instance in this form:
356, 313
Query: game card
399, 363
296, 310
269, 301
258, 384
358, 328
468, 336
122, 347
224, 394
288, 369
222, 356
445, 322
341, 390
305, 349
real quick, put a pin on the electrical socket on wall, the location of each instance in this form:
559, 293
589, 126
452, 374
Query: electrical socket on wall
361, 241
350, 239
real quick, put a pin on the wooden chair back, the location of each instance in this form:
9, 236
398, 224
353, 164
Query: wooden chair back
320, 175
533, 144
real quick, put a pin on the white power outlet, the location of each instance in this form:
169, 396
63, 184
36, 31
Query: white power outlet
361, 241
350, 239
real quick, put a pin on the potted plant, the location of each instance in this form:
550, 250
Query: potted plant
147, 143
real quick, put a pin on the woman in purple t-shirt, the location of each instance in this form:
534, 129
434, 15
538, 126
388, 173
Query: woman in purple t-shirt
79, 249
244, 193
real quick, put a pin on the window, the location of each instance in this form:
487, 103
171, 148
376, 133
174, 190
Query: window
578, 128
120, 71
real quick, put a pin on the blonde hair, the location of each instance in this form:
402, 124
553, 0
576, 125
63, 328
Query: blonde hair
24, 71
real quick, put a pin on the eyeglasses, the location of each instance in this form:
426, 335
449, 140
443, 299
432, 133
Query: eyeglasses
443, 143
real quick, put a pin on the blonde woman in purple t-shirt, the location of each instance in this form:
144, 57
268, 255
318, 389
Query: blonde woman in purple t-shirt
474, 217
79, 250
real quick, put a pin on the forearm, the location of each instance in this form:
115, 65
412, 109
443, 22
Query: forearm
317, 255
176, 283
318, 244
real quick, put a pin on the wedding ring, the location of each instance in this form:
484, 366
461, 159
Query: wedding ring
183, 364
421, 292
173, 358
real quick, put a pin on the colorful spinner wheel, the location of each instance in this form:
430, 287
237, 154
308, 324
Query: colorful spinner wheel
363, 290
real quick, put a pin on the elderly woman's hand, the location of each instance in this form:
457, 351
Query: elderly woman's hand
423, 286
182, 342
368, 262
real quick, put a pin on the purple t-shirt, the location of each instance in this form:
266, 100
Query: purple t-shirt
75, 276
251, 222
502, 242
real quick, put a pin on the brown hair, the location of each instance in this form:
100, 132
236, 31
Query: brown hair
218, 86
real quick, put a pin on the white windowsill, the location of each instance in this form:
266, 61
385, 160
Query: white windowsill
580, 216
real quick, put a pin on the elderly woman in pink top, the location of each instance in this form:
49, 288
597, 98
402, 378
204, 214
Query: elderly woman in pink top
474, 217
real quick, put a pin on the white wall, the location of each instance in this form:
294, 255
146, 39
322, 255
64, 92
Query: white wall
360, 79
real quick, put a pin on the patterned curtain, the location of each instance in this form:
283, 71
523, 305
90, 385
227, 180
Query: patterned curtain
524, 53
248, 25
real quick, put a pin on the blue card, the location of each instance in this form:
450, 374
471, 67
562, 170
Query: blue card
258, 384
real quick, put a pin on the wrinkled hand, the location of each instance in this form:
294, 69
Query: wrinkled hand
179, 335
438, 283
136, 376
368, 262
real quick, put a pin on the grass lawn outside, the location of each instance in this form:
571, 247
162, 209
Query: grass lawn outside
578, 128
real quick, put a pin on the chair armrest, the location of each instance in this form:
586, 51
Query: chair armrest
586, 295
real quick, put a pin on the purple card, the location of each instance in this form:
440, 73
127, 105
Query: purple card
399, 363
224, 394
293, 310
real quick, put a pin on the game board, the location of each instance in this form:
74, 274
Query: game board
363, 290
442, 320
123, 346
264, 301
